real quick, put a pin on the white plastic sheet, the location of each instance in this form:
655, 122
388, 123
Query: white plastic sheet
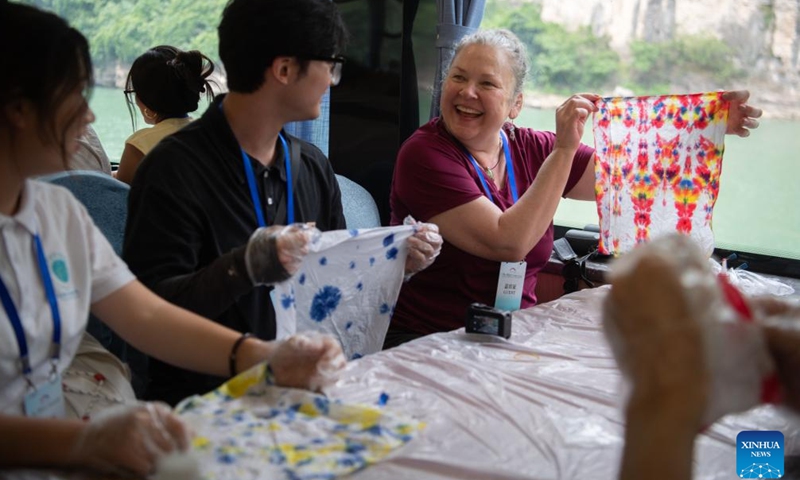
546, 404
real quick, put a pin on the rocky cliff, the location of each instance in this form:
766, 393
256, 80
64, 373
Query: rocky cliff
765, 34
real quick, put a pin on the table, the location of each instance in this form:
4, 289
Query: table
545, 405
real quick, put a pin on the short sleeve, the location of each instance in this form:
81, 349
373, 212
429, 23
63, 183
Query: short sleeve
431, 177
109, 272
583, 156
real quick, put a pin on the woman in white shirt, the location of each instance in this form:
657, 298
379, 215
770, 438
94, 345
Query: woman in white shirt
55, 266
164, 84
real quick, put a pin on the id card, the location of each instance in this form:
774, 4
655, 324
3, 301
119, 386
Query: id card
46, 401
509, 286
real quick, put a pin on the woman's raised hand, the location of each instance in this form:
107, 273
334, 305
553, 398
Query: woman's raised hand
571, 117
741, 116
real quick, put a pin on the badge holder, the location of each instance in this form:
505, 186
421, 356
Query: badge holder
510, 283
46, 400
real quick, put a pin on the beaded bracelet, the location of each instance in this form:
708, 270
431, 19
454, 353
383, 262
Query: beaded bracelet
234, 349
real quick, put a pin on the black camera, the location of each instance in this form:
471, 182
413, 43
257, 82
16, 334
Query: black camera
488, 320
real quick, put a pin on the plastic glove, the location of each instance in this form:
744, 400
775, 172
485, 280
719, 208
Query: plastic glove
275, 253
781, 321
307, 361
423, 247
671, 322
656, 337
784, 346
130, 439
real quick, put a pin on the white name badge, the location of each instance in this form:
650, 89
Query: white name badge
46, 401
509, 286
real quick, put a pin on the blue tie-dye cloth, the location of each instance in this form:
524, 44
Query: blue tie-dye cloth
347, 286
248, 430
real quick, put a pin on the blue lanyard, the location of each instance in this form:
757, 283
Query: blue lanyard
509, 167
13, 315
251, 180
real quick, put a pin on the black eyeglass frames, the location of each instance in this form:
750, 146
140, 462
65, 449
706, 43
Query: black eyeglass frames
336, 62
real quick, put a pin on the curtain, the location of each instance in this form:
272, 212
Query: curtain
457, 18
315, 131
409, 88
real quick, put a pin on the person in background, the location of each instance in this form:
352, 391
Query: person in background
56, 267
165, 85
666, 355
207, 201
90, 155
456, 172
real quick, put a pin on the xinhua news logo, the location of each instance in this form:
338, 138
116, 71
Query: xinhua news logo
759, 454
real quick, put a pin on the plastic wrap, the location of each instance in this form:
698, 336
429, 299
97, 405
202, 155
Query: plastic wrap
752, 283
545, 404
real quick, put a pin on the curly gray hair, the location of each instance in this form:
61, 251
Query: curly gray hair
504, 41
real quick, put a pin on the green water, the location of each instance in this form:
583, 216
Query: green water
113, 123
757, 210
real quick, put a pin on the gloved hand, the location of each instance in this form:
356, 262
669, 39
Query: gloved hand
275, 253
423, 247
656, 335
671, 322
130, 439
781, 321
310, 361
784, 347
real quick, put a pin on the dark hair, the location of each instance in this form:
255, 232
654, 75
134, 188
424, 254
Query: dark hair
44, 61
253, 33
169, 81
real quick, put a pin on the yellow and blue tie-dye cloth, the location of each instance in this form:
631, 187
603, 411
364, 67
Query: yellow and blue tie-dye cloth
249, 429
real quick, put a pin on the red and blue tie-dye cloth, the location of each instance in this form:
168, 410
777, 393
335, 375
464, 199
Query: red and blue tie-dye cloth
658, 167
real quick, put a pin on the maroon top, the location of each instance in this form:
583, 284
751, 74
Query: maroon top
434, 175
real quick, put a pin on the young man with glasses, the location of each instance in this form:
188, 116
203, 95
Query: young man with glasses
199, 195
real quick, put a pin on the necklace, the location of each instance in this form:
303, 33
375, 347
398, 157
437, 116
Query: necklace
489, 170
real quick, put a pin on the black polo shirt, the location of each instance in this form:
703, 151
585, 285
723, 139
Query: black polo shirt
190, 215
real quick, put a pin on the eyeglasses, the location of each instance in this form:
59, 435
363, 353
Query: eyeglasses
336, 62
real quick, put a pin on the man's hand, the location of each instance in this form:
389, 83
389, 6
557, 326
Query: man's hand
423, 247
275, 253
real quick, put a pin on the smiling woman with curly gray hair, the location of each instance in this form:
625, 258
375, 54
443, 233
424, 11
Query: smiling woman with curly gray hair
491, 187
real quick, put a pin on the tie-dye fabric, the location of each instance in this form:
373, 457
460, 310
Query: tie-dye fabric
658, 167
347, 286
248, 429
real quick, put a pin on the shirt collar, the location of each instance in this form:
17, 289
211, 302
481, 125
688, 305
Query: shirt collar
26, 215
222, 129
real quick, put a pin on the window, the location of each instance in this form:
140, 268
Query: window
118, 32
590, 46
